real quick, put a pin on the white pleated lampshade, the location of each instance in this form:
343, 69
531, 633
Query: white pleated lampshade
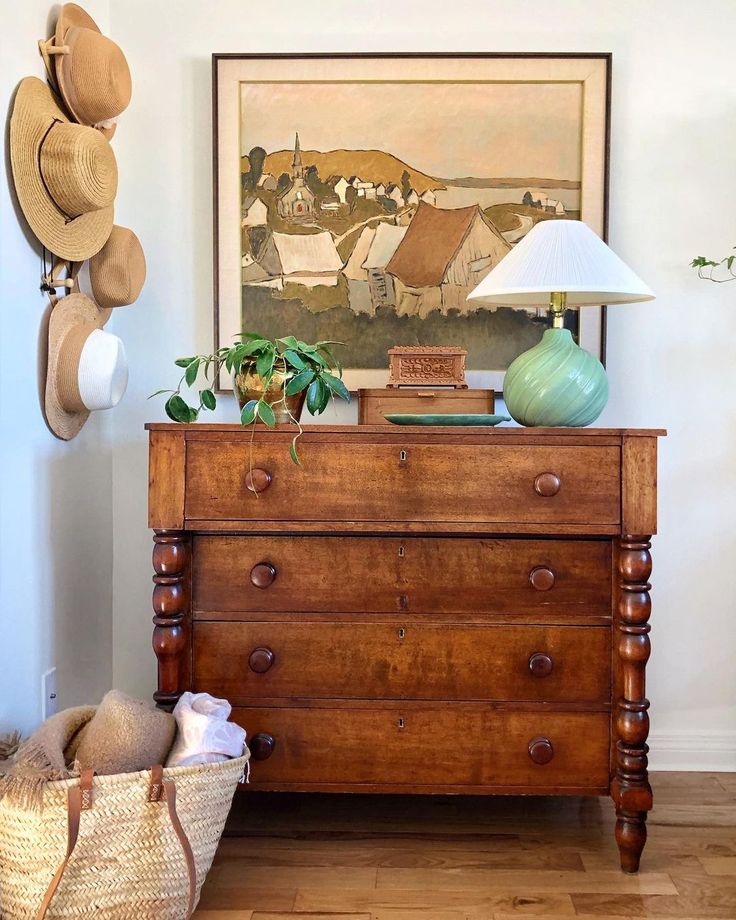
561, 256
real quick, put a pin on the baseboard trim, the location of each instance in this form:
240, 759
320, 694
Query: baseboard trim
699, 751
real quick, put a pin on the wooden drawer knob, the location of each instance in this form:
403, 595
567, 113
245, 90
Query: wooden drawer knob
541, 750
540, 664
547, 484
263, 574
261, 746
258, 480
261, 659
542, 578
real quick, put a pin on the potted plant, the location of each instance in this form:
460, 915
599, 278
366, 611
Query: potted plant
272, 378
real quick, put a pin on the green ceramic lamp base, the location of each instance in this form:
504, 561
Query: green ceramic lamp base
556, 384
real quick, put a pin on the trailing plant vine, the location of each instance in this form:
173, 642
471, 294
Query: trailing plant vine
708, 269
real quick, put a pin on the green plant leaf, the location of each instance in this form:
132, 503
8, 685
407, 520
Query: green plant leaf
295, 360
264, 363
159, 392
300, 382
248, 412
190, 375
183, 362
250, 335
209, 401
317, 396
177, 409
292, 451
336, 385
193, 413
289, 341
266, 413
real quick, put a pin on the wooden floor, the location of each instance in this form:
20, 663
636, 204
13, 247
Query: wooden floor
470, 858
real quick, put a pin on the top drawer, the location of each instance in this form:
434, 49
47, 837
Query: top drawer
363, 482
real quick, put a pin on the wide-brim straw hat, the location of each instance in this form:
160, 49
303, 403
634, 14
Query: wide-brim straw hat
118, 271
87, 369
91, 70
65, 174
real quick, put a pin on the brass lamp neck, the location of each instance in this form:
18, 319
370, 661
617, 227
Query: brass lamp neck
557, 307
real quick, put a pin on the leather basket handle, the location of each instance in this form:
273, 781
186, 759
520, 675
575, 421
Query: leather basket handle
80, 798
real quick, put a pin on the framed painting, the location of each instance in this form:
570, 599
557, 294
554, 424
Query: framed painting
360, 198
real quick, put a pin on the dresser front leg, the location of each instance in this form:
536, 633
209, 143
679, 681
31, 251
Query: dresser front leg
171, 606
630, 789
631, 835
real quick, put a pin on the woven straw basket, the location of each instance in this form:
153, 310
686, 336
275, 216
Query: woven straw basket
144, 847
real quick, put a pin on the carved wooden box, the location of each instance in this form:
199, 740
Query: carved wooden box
430, 365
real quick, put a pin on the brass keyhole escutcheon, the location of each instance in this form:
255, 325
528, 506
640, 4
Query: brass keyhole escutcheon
400, 724
402, 552
402, 456
402, 632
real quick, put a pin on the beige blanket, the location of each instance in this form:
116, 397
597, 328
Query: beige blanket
42, 758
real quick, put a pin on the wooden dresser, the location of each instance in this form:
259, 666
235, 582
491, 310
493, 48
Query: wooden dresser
414, 610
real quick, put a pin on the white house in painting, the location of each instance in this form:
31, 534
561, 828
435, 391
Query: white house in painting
380, 189
383, 246
255, 212
394, 193
340, 187
359, 294
429, 197
412, 197
310, 259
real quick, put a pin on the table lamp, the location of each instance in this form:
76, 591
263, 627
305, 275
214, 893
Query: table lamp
559, 264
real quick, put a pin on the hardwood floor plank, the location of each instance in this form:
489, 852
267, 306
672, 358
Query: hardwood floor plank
230, 899
222, 915
535, 882
233, 874
719, 865
381, 852
378, 900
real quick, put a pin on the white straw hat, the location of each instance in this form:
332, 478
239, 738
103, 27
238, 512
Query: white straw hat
87, 367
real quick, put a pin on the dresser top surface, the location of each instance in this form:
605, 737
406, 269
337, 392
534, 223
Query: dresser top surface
577, 434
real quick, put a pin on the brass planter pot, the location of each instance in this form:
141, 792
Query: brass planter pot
249, 385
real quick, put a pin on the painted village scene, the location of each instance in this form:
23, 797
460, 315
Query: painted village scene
369, 223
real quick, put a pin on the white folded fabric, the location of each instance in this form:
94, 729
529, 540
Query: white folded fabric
204, 735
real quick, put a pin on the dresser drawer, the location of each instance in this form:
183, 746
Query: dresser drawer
432, 746
405, 575
420, 482
261, 661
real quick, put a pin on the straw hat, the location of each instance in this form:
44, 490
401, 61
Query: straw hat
117, 272
87, 368
65, 175
91, 70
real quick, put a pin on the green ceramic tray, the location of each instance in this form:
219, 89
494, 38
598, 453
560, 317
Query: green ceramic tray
473, 421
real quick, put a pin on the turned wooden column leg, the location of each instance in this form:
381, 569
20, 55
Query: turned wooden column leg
630, 789
171, 599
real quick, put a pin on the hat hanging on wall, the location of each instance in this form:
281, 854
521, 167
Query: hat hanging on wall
87, 369
91, 71
117, 272
65, 174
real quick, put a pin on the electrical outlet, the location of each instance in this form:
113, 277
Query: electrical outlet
49, 702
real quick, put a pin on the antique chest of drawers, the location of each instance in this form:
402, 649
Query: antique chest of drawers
414, 610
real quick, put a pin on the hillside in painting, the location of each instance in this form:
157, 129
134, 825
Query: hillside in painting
370, 165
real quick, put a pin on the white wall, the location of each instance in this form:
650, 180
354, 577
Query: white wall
672, 197
55, 498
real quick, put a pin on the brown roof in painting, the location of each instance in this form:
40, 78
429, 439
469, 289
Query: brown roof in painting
432, 239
